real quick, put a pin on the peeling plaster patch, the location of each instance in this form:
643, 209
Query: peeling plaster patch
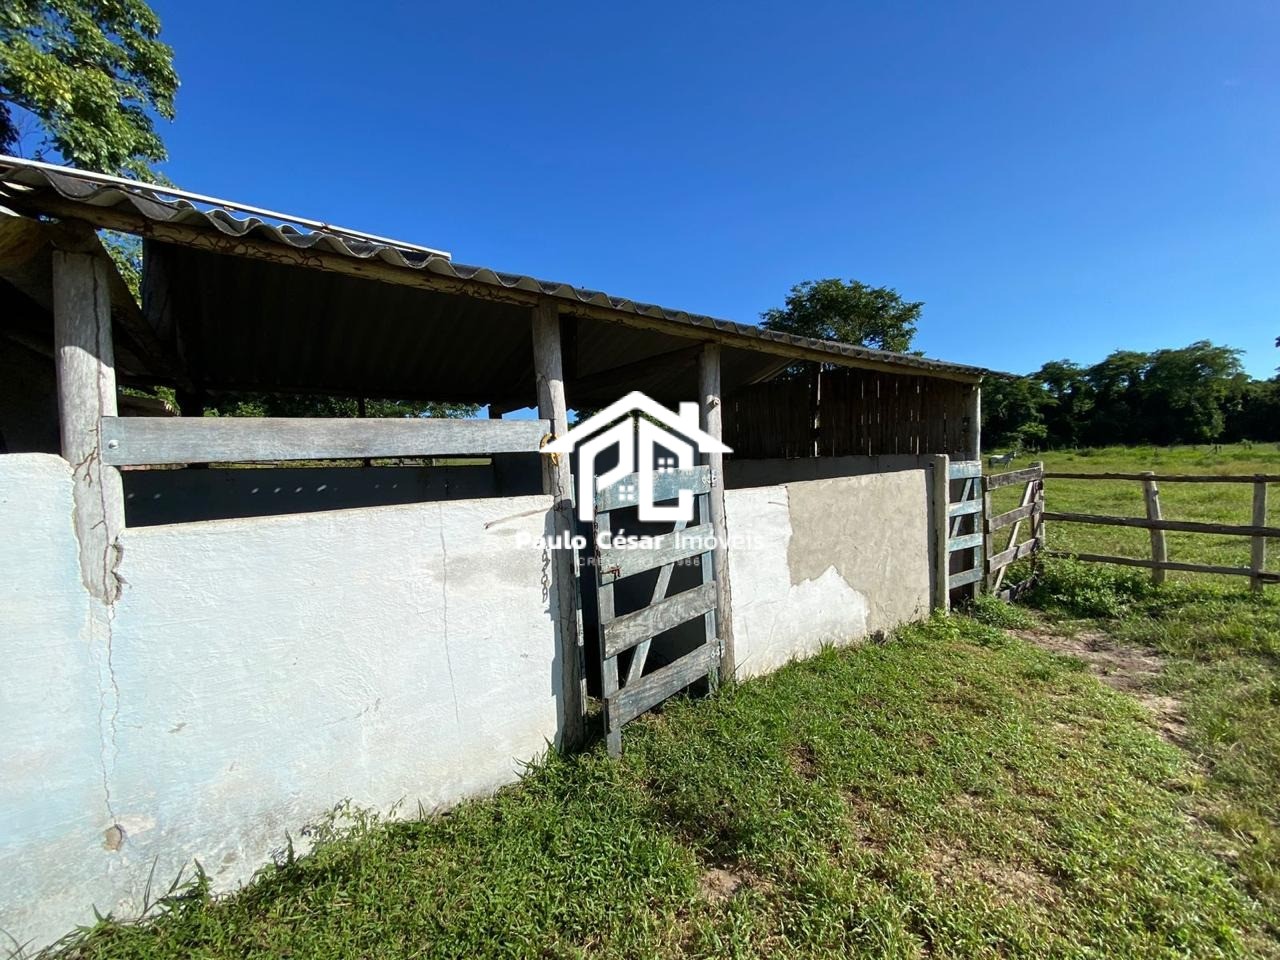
874, 529
775, 619
831, 561
113, 837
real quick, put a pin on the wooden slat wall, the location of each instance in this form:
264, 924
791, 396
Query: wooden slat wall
768, 420
860, 413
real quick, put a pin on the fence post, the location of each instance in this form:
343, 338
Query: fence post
983, 524
1258, 560
712, 422
85, 364
557, 480
1159, 553
941, 531
1037, 519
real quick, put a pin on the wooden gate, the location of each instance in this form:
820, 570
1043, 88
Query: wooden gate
1030, 509
634, 631
964, 519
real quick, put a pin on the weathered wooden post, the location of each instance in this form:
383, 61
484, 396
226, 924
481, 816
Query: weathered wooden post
557, 480
1159, 553
85, 363
712, 423
1258, 556
941, 532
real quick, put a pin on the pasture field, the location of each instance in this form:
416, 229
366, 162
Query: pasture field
1209, 502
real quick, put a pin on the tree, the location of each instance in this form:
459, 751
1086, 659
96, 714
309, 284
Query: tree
1118, 398
1188, 392
1258, 417
1013, 413
1196, 394
92, 74
1068, 401
848, 313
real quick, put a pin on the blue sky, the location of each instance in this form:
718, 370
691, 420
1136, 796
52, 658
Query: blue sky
1053, 180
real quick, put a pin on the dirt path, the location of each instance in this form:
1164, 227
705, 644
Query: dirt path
1126, 668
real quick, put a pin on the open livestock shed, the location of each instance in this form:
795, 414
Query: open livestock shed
216, 628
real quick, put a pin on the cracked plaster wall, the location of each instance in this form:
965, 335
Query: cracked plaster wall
252, 674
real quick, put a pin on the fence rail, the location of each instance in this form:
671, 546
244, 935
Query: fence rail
1168, 478
140, 441
1257, 531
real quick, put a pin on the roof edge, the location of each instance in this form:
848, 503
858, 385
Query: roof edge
43, 189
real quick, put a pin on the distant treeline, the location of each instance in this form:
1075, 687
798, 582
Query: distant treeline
1198, 394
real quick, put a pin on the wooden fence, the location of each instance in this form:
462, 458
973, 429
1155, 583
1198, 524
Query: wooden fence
1157, 525
1031, 511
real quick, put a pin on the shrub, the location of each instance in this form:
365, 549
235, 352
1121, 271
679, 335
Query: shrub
997, 613
1089, 589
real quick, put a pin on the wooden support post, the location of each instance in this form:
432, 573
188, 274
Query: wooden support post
1159, 552
941, 532
557, 480
709, 390
1258, 558
815, 401
86, 393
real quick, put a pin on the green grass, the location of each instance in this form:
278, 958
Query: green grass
1223, 650
1214, 503
953, 793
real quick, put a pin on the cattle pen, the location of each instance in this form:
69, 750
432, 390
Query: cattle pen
217, 627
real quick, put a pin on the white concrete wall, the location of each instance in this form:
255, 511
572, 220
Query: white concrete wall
51, 752
252, 674
825, 562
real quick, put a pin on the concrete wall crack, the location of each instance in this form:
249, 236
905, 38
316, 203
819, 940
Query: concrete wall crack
444, 598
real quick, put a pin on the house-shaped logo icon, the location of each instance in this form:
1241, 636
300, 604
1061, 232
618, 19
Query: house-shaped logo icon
617, 425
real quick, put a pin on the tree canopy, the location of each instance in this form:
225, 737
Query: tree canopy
87, 78
849, 312
1195, 394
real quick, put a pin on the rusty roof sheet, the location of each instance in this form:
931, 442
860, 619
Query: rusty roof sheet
24, 184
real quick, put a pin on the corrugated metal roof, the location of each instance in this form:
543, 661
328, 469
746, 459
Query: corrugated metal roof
30, 188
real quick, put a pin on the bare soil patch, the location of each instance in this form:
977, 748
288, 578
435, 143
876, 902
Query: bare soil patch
948, 862
718, 884
1129, 669
804, 761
